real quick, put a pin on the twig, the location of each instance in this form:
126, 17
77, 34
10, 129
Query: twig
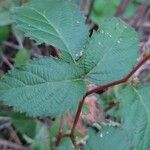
60, 134
11, 145
102, 88
6, 61
14, 136
12, 45
5, 125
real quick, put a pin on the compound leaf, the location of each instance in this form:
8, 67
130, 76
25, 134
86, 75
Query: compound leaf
43, 87
111, 53
59, 23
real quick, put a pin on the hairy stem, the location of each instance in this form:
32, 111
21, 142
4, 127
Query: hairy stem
103, 88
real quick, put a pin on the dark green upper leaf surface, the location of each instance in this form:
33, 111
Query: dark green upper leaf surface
111, 53
43, 87
110, 138
56, 22
135, 114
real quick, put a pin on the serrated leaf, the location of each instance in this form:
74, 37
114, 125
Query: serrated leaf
135, 113
59, 23
108, 138
43, 87
111, 53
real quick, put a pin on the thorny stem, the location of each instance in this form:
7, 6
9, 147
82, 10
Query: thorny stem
99, 89
103, 88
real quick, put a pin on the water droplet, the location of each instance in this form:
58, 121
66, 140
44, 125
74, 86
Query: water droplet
81, 53
118, 41
101, 135
102, 31
99, 43
107, 132
109, 34
78, 22
84, 46
77, 55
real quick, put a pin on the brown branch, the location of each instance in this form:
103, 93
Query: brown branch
103, 88
77, 118
60, 134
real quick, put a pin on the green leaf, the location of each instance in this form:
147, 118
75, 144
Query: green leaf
42, 138
111, 53
26, 126
135, 113
59, 23
103, 9
22, 123
108, 138
43, 87
4, 33
22, 57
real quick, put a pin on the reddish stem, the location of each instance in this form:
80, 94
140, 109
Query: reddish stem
77, 117
125, 79
60, 134
103, 88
